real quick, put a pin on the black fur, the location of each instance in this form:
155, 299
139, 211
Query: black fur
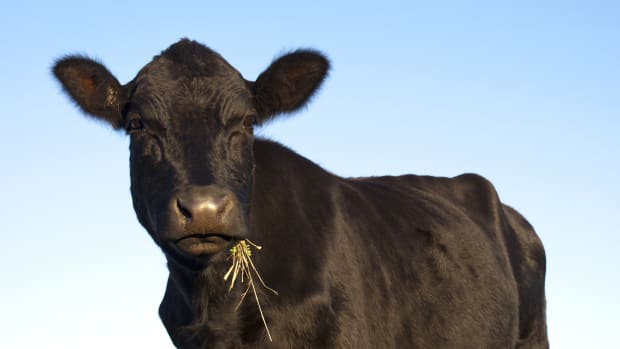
380, 262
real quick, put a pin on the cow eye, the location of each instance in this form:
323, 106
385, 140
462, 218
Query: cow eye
249, 121
134, 124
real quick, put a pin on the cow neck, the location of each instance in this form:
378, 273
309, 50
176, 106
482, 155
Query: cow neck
279, 171
209, 302
285, 187
290, 216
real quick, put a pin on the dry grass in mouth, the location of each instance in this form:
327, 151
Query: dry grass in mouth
242, 266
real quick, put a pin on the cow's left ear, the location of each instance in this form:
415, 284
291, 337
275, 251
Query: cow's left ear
93, 88
288, 83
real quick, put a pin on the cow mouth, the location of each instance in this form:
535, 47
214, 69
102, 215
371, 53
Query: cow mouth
201, 244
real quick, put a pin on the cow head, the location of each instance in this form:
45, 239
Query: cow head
190, 118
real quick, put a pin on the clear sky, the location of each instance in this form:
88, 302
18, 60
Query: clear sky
525, 93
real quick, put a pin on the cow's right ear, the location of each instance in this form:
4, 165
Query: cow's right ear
93, 88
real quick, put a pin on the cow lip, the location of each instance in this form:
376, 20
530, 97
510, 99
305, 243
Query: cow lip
198, 244
205, 237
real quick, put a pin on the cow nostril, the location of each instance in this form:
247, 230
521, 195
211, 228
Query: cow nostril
184, 211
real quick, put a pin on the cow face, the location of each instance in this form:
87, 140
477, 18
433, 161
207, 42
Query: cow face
190, 118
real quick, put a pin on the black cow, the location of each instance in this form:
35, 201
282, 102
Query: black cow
379, 262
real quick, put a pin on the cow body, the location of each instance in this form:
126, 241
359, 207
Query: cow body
385, 262
379, 262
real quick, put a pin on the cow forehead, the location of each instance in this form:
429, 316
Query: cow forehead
191, 80
188, 59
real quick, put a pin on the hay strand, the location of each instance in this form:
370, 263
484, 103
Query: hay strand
242, 267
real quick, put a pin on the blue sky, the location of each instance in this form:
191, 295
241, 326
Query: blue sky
525, 93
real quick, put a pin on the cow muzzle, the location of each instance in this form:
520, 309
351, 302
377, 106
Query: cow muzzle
206, 219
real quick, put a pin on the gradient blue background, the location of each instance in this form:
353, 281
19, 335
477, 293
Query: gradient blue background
525, 93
